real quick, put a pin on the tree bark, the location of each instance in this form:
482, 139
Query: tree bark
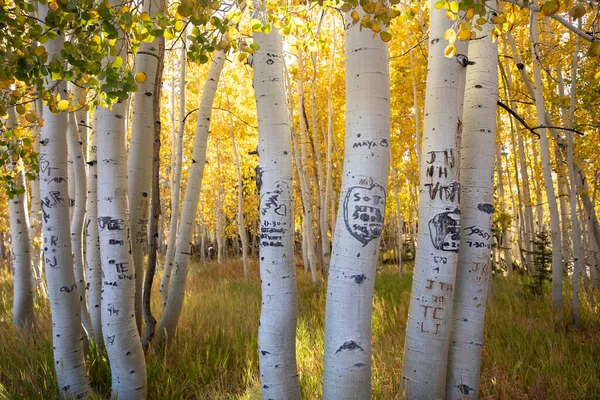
355, 253
428, 326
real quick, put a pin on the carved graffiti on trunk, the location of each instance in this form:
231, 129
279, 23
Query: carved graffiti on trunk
444, 230
364, 208
274, 215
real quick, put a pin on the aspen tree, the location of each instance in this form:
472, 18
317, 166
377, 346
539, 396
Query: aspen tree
429, 320
139, 163
67, 344
185, 230
473, 273
23, 316
279, 309
119, 327
360, 219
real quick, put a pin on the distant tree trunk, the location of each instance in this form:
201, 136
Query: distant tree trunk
119, 327
279, 309
355, 253
148, 60
77, 221
505, 230
176, 167
92, 248
23, 290
172, 309
241, 220
220, 231
69, 361
399, 224
429, 323
477, 198
547, 171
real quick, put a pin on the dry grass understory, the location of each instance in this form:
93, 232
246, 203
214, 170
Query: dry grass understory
525, 355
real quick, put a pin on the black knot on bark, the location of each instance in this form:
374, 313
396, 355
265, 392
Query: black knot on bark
464, 60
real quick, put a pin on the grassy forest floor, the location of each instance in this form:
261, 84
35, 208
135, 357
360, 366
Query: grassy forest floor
525, 355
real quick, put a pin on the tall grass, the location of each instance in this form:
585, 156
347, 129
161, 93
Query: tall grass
214, 355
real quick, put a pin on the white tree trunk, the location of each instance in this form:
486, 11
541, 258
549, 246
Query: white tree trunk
175, 181
499, 172
121, 337
69, 359
92, 242
478, 150
279, 310
399, 224
78, 218
241, 220
23, 289
547, 172
139, 164
355, 253
429, 320
174, 304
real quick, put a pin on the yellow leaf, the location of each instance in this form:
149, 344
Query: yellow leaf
481, 21
464, 35
21, 109
354, 16
469, 14
450, 16
449, 34
597, 76
140, 77
385, 36
450, 51
145, 17
578, 11
63, 105
454, 6
550, 7
39, 51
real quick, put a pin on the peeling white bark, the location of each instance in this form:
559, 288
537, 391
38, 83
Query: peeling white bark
355, 253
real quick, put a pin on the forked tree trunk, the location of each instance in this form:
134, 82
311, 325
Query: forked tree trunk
119, 327
172, 309
23, 290
355, 253
429, 320
69, 361
139, 163
477, 198
177, 149
279, 310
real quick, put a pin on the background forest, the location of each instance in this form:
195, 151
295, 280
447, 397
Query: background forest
194, 197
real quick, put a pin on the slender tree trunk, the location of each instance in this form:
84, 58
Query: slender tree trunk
355, 253
505, 230
155, 199
176, 167
77, 221
23, 290
174, 304
92, 248
399, 224
119, 327
546, 169
241, 220
219, 195
69, 359
477, 197
429, 322
279, 310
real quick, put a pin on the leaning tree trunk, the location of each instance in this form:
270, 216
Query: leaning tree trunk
69, 361
547, 172
119, 327
279, 311
473, 272
93, 265
23, 289
429, 320
139, 164
355, 253
174, 304
78, 218
175, 181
